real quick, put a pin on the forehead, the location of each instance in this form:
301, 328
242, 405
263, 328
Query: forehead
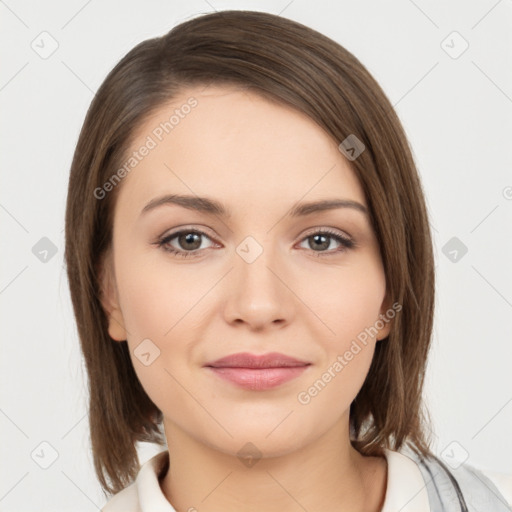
237, 146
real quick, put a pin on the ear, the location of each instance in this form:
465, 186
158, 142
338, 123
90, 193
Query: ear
385, 318
109, 298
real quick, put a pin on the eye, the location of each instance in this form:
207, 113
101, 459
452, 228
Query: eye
190, 244
188, 240
322, 240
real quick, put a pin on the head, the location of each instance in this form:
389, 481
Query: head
253, 119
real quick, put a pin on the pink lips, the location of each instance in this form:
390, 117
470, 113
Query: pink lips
258, 372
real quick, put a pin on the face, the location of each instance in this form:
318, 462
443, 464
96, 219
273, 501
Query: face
186, 284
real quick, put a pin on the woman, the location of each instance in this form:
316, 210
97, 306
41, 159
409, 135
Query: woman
251, 269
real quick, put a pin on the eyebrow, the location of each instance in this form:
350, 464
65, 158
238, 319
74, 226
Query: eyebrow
211, 206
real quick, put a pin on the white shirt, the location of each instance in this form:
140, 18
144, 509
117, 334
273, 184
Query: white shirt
405, 488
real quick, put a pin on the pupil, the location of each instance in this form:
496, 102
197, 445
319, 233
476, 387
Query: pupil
189, 239
323, 245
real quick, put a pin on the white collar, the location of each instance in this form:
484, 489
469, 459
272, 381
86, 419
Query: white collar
405, 489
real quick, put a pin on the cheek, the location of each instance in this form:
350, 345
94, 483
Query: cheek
157, 299
347, 354
155, 315
348, 302
161, 303
349, 307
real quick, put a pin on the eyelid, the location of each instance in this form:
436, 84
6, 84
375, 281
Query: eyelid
325, 229
188, 228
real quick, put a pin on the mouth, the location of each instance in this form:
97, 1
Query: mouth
258, 372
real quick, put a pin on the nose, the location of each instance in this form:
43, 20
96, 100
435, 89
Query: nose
258, 293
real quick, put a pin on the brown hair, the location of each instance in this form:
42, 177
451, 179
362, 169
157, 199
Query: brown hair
294, 65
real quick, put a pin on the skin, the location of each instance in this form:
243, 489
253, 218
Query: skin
259, 158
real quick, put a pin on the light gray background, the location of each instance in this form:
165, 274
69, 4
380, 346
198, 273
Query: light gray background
457, 113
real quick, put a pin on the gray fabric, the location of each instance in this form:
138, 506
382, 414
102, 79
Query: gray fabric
476, 490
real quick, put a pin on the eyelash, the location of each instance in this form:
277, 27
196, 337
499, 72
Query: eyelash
346, 243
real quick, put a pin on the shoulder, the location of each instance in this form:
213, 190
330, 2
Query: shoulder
449, 487
144, 493
480, 491
126, 500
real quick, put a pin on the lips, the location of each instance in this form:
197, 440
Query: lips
246, 360
258, 372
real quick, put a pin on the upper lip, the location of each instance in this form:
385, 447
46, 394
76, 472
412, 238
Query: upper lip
247, 360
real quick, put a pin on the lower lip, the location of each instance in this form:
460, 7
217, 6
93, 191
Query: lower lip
259, 379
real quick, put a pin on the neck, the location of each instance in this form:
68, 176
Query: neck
327, 474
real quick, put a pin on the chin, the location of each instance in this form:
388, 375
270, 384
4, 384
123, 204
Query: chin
266, 438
